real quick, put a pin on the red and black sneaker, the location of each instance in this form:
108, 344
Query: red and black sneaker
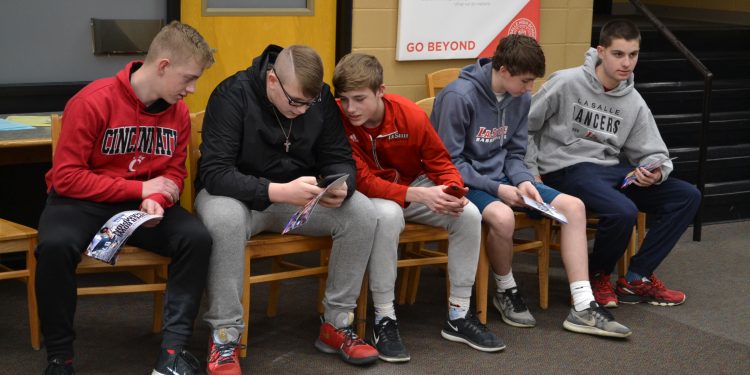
224, 352
346, 343
650, 290
604, 293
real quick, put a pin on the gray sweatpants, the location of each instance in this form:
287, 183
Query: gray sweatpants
463, 244
231, 223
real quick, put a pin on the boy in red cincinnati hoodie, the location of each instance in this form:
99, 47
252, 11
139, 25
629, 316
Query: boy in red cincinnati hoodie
404, 168
122, 147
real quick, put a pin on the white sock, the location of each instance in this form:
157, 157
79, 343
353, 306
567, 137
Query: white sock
504, 282
458, 307
582, 294
384, 310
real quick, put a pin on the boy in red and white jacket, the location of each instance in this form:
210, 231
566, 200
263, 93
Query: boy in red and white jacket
122, 147
403, 167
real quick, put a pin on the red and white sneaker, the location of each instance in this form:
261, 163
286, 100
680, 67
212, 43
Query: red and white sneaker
346, 343
224, 352
604, 293
650, 290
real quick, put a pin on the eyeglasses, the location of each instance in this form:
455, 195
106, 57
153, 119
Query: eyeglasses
292, 101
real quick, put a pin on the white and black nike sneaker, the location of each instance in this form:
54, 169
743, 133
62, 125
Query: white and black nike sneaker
386, 338
472, 332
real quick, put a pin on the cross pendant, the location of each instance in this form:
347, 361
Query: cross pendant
286, 145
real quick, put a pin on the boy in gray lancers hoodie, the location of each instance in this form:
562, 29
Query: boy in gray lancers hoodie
588, 129
481, 118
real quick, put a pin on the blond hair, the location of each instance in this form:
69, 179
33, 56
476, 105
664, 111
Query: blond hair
180, 42
306, 66
357, 70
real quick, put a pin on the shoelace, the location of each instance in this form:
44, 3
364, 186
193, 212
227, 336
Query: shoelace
600, 313
475, 324
390, 329
515, 299
351, 338
223, 353
656, 283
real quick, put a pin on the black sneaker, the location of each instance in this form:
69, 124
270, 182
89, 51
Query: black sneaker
387, 340
472, 332
176, 362
60, 366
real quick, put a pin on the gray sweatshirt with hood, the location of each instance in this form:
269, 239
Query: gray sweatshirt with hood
486, 139
573, 120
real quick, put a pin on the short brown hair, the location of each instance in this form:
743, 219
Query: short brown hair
618, 29
519, 54
306, 65
357, 70
180, 42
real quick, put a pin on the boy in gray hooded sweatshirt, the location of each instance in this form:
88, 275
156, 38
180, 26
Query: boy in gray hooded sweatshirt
588, 128
481, 118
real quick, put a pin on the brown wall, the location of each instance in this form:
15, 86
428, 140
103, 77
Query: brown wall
565, 35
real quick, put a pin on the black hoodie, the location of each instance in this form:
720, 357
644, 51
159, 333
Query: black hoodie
243, 144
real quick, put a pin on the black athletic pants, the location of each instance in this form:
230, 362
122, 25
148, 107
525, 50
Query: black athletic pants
65, 229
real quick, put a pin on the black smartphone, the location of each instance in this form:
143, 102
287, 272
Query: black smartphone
327, 180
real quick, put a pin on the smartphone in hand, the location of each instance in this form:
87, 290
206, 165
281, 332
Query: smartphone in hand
455, 191
327, 180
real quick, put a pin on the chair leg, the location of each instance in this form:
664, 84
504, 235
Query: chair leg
641, 228
482, 277
325, 255
403, 284
245, 304
34, 328
361, 315
411, 294
273, 293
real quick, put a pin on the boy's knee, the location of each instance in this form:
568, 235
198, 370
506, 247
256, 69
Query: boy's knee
222, 213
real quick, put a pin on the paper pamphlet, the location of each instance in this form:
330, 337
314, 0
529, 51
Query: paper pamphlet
107, 242
545, 209
651, 166
301, 216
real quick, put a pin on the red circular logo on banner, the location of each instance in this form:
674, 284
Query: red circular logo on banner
523, 26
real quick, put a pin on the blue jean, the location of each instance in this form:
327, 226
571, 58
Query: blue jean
670, 206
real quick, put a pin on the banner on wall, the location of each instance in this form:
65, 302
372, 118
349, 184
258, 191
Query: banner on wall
460, 29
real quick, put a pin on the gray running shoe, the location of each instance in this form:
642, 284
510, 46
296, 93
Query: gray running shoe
596, 320
513, 309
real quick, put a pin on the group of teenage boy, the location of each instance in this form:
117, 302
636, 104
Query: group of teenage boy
271, 131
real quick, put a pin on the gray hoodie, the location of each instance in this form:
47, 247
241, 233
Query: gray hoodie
486, 139
573, 120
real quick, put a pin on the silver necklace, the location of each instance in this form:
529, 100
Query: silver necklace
286, 135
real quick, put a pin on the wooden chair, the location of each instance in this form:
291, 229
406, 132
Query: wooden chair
149, 267
437, 80
18, 238
426, 104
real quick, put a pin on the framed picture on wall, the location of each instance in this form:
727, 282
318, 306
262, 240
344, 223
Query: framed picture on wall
258, 7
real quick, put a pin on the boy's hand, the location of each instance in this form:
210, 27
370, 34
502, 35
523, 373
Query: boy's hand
297, 192
509, 195
527, 188
163, 186
334, 197
644, 178
151, 207
437, 200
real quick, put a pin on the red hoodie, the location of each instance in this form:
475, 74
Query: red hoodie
406, 147
109, 144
